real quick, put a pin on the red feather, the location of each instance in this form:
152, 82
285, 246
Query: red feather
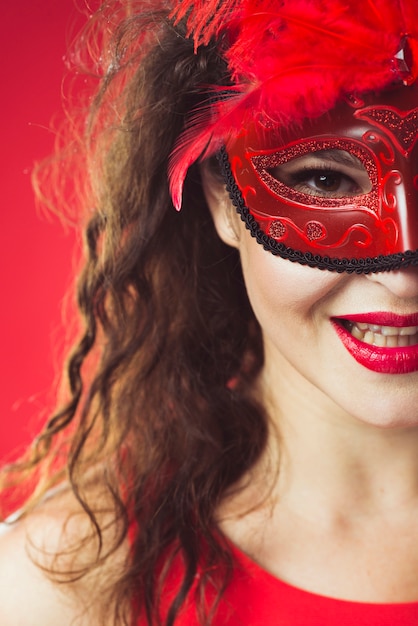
289, 60
205, 18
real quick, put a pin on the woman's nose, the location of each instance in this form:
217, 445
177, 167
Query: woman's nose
402, 283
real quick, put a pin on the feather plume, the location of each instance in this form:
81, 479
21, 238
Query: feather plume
289, 60
205, 18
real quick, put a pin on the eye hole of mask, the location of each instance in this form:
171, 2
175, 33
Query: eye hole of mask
319, 172
330, 173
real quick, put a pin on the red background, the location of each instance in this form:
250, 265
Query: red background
35, 251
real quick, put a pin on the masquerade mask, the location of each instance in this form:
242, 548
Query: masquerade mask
341, 191
337, 194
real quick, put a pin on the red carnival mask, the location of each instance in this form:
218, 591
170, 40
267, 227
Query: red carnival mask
341, 191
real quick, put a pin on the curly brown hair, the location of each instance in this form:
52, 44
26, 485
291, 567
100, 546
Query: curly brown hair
160, 381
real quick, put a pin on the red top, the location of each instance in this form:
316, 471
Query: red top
256, 598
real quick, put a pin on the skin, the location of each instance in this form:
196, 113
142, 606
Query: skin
346, 438
28, 597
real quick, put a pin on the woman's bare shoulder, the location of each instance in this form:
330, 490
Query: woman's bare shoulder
27, 596
37, 555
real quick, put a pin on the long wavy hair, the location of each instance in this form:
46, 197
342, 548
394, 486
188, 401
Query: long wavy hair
160, 379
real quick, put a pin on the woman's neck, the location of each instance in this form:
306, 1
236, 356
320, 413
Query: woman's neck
333, 458
330, 495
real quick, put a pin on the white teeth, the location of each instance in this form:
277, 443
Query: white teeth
384, 336
380, 340
369, 337
356, 332
391, 331
408, 330
392, 342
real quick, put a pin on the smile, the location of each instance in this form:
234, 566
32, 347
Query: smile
381, 342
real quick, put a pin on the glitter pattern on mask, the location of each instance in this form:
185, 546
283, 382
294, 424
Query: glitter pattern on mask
400, 126
314, 231
265, 162
277, 230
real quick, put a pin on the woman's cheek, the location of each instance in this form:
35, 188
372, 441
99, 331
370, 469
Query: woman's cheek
283, 292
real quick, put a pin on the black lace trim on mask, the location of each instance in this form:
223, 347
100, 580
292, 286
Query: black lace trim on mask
381, 263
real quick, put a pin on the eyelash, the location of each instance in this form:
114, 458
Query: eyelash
301, 176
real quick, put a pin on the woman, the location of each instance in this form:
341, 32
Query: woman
240, 441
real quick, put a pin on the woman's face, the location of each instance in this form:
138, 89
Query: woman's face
348, 343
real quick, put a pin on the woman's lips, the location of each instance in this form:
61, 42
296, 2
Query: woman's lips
382, 342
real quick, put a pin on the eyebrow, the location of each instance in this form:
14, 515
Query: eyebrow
340, 156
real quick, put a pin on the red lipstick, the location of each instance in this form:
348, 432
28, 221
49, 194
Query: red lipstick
389, 360
382, 318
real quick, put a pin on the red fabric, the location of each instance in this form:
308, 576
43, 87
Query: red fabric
256, 598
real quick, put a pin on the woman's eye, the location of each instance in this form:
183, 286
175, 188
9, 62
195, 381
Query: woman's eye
329, 182
325, 174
